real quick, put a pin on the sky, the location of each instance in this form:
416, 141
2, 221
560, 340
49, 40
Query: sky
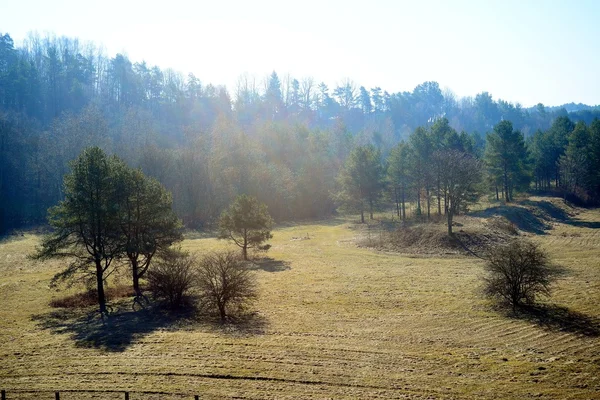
526, 51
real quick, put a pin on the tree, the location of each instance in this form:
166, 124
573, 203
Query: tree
361, 180
346, 94
399, 174
273, 97
519, 272
86, 222
224, 281
507, 159
365, 100
247, 223
460, 178
575, 163
421, 148
146, 219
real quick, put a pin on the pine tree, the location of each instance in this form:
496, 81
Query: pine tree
507, 159
247, 223
361, 180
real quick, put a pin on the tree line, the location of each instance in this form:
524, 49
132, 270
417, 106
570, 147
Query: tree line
442, 171
281, 139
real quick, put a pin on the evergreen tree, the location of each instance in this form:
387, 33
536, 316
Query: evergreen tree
361, 180
86, 223
147, 222
507, 159
247, 223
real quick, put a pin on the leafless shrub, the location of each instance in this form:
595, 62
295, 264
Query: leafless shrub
172, 277
225, 283
518, 273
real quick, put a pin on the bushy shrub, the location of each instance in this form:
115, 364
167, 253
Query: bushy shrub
518, 273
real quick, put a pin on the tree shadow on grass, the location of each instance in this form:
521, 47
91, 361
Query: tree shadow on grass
549, 209
246, 324
115, 332
584, 224
559, 318
535, 216
269, 264
124, 326
560, 214
521, 217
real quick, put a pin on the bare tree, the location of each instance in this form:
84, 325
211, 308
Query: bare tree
225, 283
460, 178
306, 93
172, 277
346, 94
518, 273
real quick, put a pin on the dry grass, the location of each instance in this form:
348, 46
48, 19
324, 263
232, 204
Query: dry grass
472, 236
333, 321
89, 298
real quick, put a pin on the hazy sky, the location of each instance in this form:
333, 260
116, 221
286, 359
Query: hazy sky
525, 51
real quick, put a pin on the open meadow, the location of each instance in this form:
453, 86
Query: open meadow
333, 320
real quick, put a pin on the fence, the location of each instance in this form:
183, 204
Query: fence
57, 394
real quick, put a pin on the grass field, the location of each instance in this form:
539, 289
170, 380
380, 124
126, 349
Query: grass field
333, 321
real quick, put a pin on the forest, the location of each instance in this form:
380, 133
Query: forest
288, 141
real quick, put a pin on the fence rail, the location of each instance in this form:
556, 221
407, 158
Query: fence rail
124, 394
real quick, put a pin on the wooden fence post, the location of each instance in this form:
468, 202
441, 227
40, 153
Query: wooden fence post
126, 395
56, 396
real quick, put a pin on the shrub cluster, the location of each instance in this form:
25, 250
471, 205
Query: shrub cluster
221, 282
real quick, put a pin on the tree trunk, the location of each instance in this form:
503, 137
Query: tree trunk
100, 287
506, 196
245, 246
497, 197
397, 205
445, 202
371, 209
428, 204
362, 216
222, 312
450, 216
439, 199
136, 276
403, 205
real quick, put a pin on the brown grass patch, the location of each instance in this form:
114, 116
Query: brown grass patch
90, 297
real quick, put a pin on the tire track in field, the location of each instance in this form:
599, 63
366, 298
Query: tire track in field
400, 388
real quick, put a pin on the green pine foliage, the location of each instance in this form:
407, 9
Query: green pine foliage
246, 223
507, 159
362, 181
